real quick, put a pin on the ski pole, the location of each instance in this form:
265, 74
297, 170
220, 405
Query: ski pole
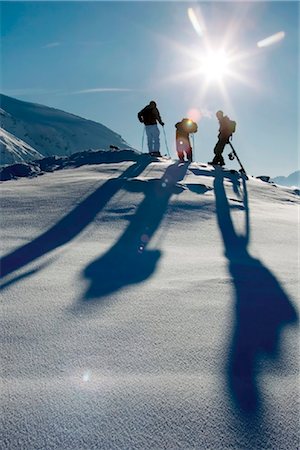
143, 140
193, 140
166, 142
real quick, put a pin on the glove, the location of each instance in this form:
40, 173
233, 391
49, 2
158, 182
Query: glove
162, 124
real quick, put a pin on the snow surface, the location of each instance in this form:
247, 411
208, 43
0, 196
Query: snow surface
149, 305
50, 131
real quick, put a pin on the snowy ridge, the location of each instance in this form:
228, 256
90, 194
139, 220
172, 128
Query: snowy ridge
13, 149
149, 305
50, 131
53, 163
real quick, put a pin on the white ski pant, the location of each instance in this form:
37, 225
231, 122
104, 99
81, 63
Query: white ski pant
152, 132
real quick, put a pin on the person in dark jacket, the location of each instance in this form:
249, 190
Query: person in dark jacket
183, 144
226, 128
149, 116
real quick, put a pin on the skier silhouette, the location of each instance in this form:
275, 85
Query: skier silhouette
226, 128
149, 116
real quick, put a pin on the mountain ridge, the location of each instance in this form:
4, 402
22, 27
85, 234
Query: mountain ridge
292, 179
51, 131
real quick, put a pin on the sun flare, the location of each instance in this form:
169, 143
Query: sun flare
215, 65
214, 61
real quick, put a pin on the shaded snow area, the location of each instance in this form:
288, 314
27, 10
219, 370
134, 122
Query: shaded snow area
50, 131
149, 305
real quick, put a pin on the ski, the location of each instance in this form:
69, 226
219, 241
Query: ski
158, 156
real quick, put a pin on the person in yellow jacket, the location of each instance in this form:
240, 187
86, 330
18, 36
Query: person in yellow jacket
183, 144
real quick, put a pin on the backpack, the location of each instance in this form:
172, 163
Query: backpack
232, 126
228, 126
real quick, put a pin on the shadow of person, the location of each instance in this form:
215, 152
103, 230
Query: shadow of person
72, 224
128, 261
262, 307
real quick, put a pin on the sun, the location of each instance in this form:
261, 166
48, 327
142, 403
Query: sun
214, 62
215, 65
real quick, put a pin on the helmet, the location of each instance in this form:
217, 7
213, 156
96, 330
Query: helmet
152, 103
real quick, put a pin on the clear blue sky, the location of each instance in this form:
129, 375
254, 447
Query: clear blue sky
54, 53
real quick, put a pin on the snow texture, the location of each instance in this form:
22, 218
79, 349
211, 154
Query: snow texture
149, 305
48, 132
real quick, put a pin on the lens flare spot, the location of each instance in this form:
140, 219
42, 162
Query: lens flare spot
194, 114
86, 376
195, 22
271, 39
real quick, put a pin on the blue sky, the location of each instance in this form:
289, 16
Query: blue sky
106, 60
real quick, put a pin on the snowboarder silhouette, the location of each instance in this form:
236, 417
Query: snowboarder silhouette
227, 127
149, 116
183, 144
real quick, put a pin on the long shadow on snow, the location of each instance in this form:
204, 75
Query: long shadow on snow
72, 224
128, 261
262, 307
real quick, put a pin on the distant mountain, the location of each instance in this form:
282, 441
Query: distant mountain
292, 180
29, 127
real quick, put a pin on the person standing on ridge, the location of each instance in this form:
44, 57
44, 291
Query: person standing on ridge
149, 116
227, 127
183, 144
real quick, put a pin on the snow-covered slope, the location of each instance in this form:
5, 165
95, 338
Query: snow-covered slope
149, 305
50, 131
14, 150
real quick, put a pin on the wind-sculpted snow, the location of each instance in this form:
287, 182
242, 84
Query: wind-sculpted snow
149, 305
52, 163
